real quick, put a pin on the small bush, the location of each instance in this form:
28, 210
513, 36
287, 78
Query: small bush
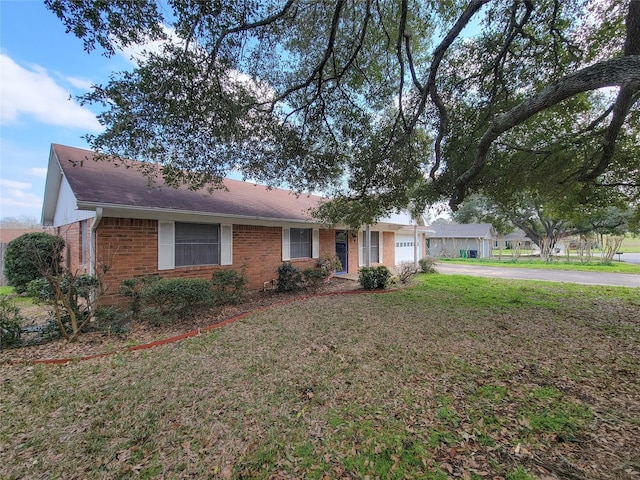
428, 265
406, 271
175, 297
111, 320
133, 287
372, 278
290, 278
313, 277
10, 319
30, 256
329, 264
229, 287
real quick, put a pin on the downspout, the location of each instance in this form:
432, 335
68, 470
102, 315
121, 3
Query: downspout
92, 242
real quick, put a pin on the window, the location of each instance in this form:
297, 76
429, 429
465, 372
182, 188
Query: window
300, 243
197, 244
84, 242
189, 244
375, 248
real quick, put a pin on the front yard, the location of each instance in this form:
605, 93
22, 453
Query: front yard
456, 378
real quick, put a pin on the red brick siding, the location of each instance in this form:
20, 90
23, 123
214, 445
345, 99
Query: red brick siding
72, 254
388, 249
130, 248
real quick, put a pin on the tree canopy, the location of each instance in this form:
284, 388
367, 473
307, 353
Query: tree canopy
381, 104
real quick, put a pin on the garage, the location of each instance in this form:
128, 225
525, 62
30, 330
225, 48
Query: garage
405, 248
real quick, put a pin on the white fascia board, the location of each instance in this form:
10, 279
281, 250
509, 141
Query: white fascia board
125, 211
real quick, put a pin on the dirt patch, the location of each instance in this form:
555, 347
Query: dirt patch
96, 342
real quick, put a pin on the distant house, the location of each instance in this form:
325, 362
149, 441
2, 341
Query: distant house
111, 214
516, 240
461, 240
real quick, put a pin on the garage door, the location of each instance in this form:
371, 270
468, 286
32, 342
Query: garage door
404, 248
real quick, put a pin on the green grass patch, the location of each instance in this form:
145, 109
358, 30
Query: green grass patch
442, 380
560, 264
6, 290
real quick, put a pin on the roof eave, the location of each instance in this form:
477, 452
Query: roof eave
84, 205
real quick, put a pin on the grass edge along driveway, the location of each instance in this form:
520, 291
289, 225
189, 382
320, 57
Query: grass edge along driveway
458, 377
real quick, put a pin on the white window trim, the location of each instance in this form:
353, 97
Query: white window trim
167, 250
361, 252
286, 243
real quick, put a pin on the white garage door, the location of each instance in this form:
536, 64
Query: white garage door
404, 248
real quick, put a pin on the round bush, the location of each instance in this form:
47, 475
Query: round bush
30, 256
289, 278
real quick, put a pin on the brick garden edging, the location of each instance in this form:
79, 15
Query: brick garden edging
192, 333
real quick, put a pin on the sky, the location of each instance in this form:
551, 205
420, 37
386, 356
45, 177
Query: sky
42, 71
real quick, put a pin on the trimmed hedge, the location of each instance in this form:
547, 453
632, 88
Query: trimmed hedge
172, 298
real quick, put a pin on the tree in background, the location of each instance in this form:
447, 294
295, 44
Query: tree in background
543, 221
382, 104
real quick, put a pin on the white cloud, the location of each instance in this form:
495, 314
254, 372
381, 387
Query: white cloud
80, 83
33, 93
15, 185
134, 53
17, 195
39, 172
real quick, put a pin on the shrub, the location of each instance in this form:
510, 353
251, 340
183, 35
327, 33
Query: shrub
229, 286
175, 297
290, 278
133, 287
428, 265
111, 320
329, 264
313, 277
31, 256
406, 271
371, 278
10, 319
73, 295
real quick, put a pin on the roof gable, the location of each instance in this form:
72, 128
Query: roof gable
101, 183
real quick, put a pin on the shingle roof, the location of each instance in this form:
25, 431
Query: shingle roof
105, 183
457, 230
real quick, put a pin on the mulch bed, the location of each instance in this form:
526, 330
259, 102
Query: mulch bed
95, 342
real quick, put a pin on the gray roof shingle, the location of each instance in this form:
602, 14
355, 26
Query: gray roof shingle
114, 183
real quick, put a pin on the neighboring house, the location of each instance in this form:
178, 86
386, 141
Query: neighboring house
116, 219
461, 240
515, 241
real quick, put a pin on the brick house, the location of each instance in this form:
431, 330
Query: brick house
110, 214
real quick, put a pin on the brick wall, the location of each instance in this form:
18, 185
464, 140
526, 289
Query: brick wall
129, 248
389, 249
72, 255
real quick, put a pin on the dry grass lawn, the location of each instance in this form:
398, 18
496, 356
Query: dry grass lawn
458, 377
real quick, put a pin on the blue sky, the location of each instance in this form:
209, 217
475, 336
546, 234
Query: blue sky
42, 70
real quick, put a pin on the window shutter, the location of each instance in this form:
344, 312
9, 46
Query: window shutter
226, 245
286, 254
361, 242
166, 248
315, 243
380, 242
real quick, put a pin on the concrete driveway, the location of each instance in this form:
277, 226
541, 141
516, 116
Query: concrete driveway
587, 278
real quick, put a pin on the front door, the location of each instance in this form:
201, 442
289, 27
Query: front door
342, 249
